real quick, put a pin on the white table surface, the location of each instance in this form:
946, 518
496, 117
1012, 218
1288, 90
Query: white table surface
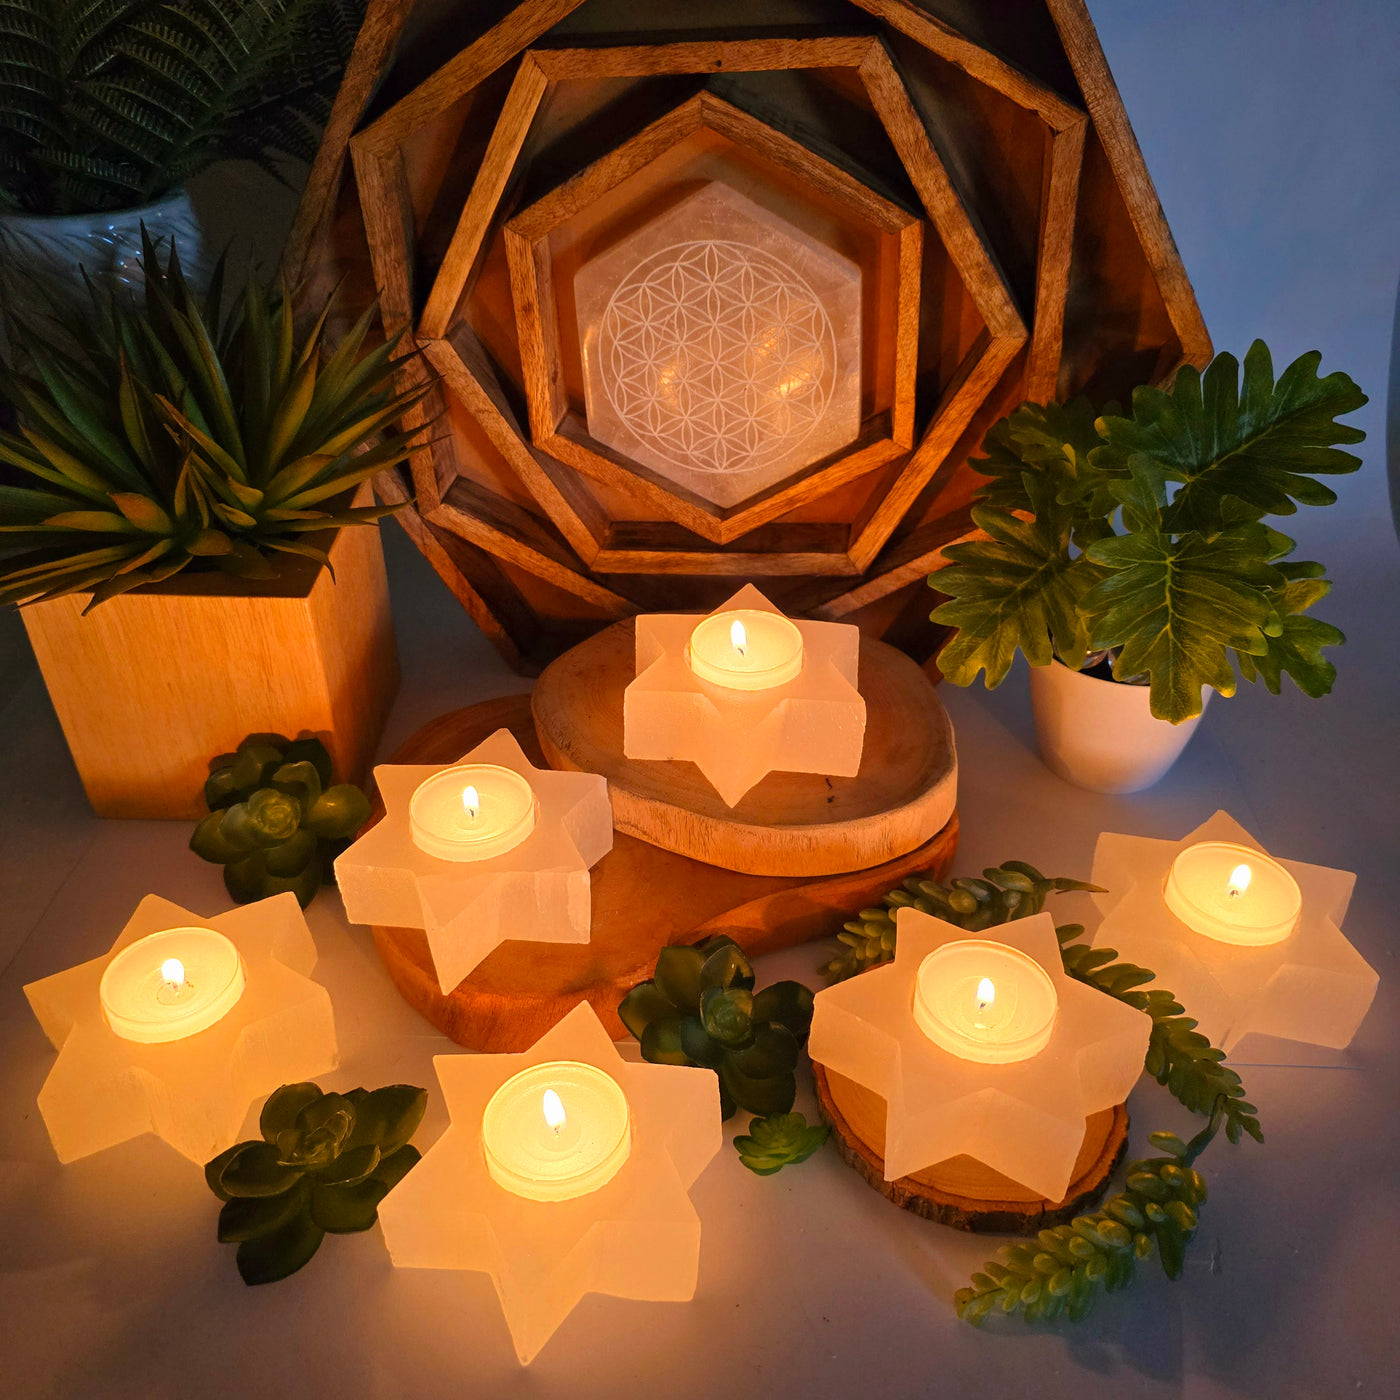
1271, 127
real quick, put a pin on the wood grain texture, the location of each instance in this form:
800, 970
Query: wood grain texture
963, 1192
154, 683
1110, 117
1058, 206
703, 56
643, 898
789, 823
374, 45
526, 92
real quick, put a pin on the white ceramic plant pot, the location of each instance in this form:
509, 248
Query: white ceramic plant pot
1102, 735
41, 253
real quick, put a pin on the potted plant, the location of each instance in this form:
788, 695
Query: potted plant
182, 539
107, 109
1129, 560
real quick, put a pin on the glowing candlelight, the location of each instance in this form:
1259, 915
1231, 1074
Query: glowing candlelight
472, 812
150, 995
1249, 903
964, 1011
551, 1156
746, 649
553, 1110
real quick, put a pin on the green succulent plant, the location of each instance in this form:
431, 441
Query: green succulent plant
1063, 1270
777, 1141
1142, 538
322, 1166
1011, 890
165, 435
700, 1008
275, 821
107, 104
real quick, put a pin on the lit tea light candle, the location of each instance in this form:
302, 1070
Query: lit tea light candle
556, 1131
171, 984
564, 1170
1233, 894
746, 649
472, 812
985, 1001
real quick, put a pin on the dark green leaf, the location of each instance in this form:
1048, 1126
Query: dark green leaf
283, 1106
788, 1003
281, 1253
346, 1210
388, 1117
254, 1170
661, 1042
641, 1006
339, 812
246, 1217
678, 972
761, 1096
726, 1015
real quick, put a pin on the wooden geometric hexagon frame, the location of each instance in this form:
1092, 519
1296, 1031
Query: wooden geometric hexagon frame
557, 429
1101, 285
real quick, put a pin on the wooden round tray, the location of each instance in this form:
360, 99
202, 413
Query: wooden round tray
787, 824
643, 898
962, 1192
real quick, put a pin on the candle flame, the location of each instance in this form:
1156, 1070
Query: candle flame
553, 1110
173, 971
986, 993
738, 636
471, 802
1239, 881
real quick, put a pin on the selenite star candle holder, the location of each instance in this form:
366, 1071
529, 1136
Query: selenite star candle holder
981, 1046
565, 1170
1248, 944
746, 692
181, 1027
488, 849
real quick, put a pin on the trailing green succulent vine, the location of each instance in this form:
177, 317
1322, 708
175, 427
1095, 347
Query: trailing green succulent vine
1144, 536
166, 435
107, 104
778, 1141
700, 1008
1064, 1269
1008, 891
322, 1166
275, 821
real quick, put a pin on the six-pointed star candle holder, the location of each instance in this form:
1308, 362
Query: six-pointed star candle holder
746, 692
181, 1026
1246, 943
565, 1170
489, 849
981, 1047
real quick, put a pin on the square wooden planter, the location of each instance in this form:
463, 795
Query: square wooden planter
154, 683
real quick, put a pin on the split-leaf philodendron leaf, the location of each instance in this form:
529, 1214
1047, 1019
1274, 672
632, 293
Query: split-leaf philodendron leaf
1144, 535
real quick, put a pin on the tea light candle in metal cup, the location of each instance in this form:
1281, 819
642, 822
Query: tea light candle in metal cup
170, 985
556, 1131
472, 812
745, 649
985, 1001
1233, 894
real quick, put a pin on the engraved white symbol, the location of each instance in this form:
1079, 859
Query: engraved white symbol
717, 356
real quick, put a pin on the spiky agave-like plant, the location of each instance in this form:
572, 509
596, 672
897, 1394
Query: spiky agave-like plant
108, 104
162, 434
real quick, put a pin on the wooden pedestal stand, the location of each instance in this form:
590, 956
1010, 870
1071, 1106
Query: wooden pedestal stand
797, 824
643, 898
961, 1191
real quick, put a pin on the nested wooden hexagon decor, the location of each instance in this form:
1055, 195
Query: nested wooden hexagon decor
715, 307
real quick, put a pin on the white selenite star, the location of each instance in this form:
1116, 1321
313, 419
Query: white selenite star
193, 1092
1025, 1119
1313, 986
637, 1236
536, 892
815, 723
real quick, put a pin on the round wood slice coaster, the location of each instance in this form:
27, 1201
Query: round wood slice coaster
643, 898
787, 824
962, 1192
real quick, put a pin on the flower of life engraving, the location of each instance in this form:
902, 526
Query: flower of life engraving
717, 356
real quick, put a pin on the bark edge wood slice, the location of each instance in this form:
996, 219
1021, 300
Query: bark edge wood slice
643, 899
962, 1192
788, 824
